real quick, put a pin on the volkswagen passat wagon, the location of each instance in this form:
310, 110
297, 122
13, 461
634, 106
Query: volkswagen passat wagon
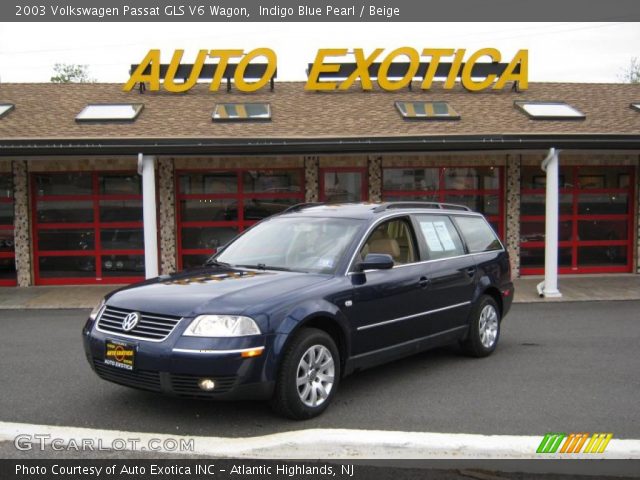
292, 305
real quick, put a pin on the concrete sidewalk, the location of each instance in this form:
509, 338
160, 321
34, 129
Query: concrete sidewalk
580, 288
573, 288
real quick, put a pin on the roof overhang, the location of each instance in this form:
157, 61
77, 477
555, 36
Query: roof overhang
271, 146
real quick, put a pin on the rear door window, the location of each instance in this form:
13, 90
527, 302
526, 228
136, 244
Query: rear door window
440, 236
477, 233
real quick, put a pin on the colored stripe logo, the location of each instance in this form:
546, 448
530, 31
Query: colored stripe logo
574, 443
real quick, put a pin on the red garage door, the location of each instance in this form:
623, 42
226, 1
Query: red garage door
479, 188
213, 206
7, 254
595, 225
87, 227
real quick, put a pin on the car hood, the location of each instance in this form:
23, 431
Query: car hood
211, 290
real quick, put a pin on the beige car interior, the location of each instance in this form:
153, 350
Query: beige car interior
391, 238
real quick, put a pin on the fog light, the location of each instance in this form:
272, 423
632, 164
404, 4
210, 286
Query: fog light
206, 384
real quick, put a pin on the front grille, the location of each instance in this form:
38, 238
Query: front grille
187, 385
150, 326
143, 379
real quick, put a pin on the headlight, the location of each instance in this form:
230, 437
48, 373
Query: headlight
222, 326
96, 310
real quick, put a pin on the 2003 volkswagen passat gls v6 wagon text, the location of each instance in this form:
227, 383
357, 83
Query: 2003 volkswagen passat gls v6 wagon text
293, 304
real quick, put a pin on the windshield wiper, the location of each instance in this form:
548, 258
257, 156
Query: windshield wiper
262, 266
217, 263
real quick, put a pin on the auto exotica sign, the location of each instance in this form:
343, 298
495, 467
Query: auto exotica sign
339, 69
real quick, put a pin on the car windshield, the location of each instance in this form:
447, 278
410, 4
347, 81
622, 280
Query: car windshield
308, 244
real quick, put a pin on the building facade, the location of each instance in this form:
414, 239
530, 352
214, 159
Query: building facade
72, 201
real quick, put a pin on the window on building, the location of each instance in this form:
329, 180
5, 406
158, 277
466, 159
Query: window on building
339, 185
595, 231
123, 112
550, 111
214, 206
427, 110
241, 111
5, 108
88, 227
7, 247
479, 188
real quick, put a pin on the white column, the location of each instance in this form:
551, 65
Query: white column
549, 288
146, 168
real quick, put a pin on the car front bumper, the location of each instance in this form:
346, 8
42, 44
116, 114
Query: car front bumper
176, 365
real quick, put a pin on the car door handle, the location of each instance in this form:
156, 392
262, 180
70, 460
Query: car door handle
471, 271
424, 282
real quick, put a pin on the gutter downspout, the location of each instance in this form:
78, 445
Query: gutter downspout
146, 168
549, 287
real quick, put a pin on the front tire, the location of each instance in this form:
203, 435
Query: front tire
308, 377
484, 328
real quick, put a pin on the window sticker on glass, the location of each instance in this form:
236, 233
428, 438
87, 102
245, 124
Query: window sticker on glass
325, 263
431, 236
444, 236
437, 236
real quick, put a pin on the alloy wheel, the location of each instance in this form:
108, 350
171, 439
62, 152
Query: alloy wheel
315, 377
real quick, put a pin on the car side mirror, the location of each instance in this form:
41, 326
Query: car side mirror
376, 261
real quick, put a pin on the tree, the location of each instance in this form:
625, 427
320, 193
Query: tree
71, 73
631, 74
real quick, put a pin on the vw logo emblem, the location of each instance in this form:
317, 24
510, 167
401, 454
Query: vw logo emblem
130, 321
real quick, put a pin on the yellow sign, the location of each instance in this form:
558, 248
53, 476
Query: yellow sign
515, 71
327, 61
152, 63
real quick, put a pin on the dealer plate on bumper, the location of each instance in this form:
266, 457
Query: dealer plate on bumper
119, 354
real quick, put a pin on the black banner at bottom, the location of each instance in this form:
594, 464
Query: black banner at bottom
241, 469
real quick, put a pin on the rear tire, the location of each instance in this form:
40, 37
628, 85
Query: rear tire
308, 376
484, 328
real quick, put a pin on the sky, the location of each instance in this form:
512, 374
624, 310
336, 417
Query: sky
565, 52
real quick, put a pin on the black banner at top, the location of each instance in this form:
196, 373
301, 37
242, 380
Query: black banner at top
318, 10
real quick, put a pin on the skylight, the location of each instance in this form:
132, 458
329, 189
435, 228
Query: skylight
110, 112
5, 108
241, 111
550, 111
427, 111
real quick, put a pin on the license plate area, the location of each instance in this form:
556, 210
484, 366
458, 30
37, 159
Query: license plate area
120, 354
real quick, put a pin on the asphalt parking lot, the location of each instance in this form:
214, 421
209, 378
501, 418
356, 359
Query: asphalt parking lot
561, 367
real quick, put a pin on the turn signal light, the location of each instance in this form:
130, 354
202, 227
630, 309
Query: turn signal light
254, 352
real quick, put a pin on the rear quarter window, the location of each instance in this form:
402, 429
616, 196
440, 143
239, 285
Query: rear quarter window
478, 235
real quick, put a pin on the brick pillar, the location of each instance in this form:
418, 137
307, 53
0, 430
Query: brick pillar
167, 200
311, 183
22, 232
375, 178
512, 196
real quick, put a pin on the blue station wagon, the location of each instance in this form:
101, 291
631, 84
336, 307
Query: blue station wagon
294, 304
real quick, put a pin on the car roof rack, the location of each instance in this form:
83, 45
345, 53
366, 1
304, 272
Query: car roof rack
300, 206
438, 205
